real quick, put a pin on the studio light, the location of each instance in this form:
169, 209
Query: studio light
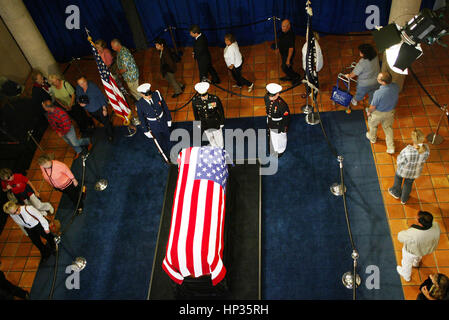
402, 45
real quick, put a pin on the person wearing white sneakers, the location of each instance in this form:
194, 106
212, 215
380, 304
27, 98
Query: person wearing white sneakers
234, 62
409, 163
382, 109
419, 240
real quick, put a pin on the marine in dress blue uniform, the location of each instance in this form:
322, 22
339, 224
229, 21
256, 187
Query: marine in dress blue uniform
155, 118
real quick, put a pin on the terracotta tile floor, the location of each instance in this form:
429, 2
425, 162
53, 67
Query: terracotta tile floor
414, 110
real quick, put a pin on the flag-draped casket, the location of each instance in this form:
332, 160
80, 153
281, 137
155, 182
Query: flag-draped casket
195, 242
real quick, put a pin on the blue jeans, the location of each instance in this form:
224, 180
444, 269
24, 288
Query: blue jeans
402, 191
71, 139
362, 91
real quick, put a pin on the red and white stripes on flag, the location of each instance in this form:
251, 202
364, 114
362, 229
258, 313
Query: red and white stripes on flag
195, 243
113, 93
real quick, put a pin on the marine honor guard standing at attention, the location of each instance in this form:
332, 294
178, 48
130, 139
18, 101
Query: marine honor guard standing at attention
155, 118
278, 118
208, 109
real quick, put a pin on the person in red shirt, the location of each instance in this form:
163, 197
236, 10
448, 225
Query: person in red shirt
23, 190
60, 122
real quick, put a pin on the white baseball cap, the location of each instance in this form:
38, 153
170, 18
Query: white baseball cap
273, 88
202, 87
144, 87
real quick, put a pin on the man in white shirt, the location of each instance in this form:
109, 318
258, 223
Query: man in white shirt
34, 225
419, 240
234, 62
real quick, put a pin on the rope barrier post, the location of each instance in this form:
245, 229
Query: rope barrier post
337, 189
170, 28
274, 18
30, 135
350, 279
435, 138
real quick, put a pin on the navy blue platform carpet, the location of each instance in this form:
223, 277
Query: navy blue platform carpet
305, 242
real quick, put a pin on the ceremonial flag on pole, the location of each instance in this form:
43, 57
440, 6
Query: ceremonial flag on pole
113, 93
195, 243
311, 75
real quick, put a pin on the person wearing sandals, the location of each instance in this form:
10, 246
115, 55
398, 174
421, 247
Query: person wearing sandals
234, 62
366, 71
409, 163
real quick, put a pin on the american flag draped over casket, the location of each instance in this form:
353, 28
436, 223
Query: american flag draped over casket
195, 242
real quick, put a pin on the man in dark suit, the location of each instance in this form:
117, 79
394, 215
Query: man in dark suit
168, 66
202, 55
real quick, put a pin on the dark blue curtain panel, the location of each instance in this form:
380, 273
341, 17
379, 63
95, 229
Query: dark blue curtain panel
247, 19
104, 19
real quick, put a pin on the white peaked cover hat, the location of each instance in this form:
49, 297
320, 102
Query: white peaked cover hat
273, 88
144, 87
202, 87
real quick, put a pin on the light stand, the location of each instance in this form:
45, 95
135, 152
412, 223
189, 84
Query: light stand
435, 138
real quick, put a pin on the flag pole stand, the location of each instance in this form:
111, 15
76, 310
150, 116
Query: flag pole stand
312, 118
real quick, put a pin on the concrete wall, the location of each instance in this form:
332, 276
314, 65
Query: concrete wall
13, 64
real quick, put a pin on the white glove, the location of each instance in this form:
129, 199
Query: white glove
148, 134
221, 126
169, 123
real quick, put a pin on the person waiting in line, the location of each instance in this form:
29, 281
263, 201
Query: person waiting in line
202, 55
60, 177
366, 71
127, 67
110, 62
64, 95
35, 225
24, 190
382, 110
61, 123
419, 240
8, 290
168, 66
409, 164
104, 52
41, 90
234, 62
286, 45
93, 100
435, 287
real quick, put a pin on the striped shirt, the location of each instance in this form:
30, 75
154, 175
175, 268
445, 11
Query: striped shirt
410, 162
59, 121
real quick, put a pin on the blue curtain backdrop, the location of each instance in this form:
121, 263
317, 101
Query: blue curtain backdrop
106, 19
103, 18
